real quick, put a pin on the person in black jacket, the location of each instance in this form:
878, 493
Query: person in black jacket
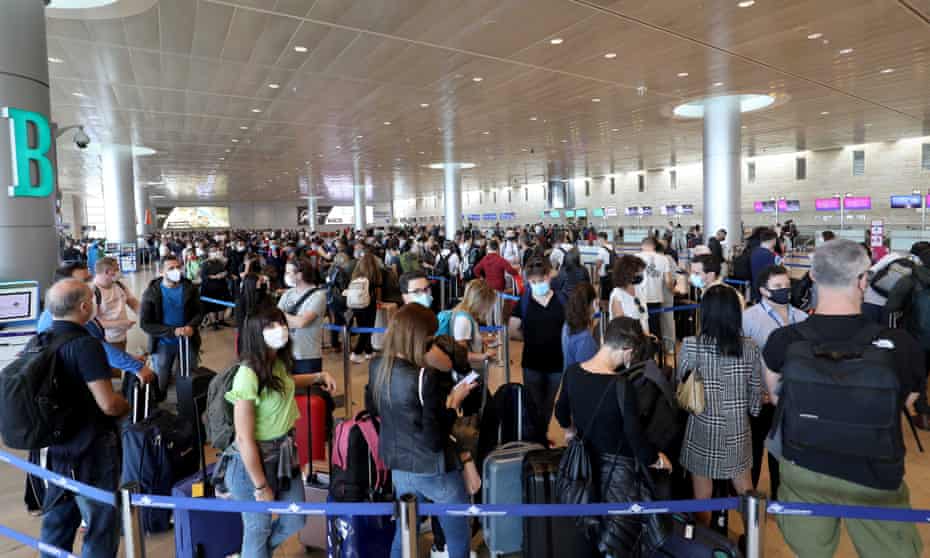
170, 310
417, 416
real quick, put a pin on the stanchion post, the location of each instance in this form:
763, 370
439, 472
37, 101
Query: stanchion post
347, 369
409, 543
506, 352
602, 324
499, 319
754, 512
133, 536
442, 294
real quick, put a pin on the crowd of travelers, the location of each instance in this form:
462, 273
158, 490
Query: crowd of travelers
812, 373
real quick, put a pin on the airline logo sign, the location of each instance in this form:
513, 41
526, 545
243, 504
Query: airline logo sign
26, 153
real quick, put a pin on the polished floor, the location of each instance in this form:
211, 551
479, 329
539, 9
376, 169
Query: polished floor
218, 354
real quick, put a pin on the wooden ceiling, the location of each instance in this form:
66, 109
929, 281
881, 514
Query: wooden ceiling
385, 87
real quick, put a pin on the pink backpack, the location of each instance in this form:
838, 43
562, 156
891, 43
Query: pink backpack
358, 474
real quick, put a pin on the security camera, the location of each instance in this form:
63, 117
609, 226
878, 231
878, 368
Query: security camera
81, 139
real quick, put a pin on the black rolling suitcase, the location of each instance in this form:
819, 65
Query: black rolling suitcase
693, 540
191, 385
549, 537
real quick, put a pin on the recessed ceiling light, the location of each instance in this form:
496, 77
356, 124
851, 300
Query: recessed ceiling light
229, 151
610, 55
424, 105
54, 60
814, 36
243, 127
887, 71
846, 51
824, 113
556, 41
256, 110
387, 122
222, 158
477, 79
79, 94
338, 147
274, 85
596, 100
746, 3
718, 84
533, 118
422, 152
485, 133
300, 49
235, 140
564, 141
615, 129
683, 74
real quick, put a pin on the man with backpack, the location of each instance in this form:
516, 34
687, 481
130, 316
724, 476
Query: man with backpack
840, 383
90, 452
112, 299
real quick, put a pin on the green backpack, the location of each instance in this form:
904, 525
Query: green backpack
221, 429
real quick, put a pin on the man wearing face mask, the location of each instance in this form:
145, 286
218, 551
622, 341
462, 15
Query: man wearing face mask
773, 311
304, 306
416, 288
170, 310
90, 454
705, 273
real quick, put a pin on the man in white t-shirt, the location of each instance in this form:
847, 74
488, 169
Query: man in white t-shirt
510, 250
605, 257
657, 278
112, 299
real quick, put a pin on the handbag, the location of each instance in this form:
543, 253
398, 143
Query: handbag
690, 392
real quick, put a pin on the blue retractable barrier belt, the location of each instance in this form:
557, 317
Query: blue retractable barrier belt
68, 484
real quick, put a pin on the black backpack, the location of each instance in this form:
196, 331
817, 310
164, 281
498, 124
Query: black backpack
802, 292
472, 258
336, 282
884, 280
742, 265
354, 474
662, 420
35, 410
840, 398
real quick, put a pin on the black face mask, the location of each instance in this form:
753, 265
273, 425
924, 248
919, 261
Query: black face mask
780, 296
638, 279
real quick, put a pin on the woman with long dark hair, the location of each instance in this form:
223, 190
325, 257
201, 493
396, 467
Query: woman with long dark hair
578, 342
367, 268
417, 416
718, 442
571, 274
262, 464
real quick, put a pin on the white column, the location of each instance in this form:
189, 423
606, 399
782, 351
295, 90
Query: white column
452, 199
313, 208
118, 193
143, 205
28, 239
722, 188
359, 199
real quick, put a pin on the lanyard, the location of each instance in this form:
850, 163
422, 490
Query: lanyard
774, 316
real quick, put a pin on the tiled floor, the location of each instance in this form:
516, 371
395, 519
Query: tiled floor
218, 354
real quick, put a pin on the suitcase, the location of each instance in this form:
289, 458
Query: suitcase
191, 385
316, 485
368, 536
318, 405
200, 534
501, 474
549, 537
158, 448
693, 540
515, 409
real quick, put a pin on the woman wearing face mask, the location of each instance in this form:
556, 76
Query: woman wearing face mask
588, 406
193, 263
578, 342
541, 315
304, 305
214, 284
628, 273
262, 464
476, 304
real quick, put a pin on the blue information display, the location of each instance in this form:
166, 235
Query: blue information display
474, 217
489, 217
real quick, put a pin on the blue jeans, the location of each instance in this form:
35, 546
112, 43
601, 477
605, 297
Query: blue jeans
261, 534
445, 488
308, 365
166, 361
542, 388
63, 515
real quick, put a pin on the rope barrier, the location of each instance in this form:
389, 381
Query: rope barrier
508, 297
437, 278
68, 484
737, 282
45, 549
225, 303
18, 333
682, 308
800, 266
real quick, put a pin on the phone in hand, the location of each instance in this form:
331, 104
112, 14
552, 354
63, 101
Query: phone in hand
471, 378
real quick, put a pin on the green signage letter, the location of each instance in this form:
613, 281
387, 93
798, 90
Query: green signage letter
23, 154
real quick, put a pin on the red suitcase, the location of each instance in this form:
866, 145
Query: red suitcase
321, 415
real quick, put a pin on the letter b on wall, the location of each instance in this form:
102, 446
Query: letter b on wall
27, 154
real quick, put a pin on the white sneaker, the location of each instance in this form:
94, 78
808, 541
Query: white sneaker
368, 356
444, 553
356, 358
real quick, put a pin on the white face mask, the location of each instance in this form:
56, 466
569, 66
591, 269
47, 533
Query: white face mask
276, 337
290, 280
173, 275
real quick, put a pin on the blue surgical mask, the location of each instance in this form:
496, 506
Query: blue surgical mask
424, 299
539, 289
697, 281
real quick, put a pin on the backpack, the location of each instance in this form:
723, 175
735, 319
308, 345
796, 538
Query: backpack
357, 295
446, 317
472, 259
35, 411
917, 315
884, 280
441, 268
840, 398
802, 293
98, 296
662, 420
336, 282
742, 265
221, 430
358, 474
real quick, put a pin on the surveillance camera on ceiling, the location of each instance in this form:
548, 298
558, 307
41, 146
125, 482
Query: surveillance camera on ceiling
81, 139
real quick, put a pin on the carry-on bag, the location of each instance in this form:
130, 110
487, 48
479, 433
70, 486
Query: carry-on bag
203, 534
192, 385
691, 539
316, 484
502, 484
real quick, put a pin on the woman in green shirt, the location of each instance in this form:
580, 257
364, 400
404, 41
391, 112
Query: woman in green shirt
263, 463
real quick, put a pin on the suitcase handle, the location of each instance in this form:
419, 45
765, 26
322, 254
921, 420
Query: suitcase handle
185, 356
135, 402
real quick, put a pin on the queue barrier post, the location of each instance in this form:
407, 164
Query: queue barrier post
442, 294
602, 324
407, 516
347, 369
754, 510
133, 536
505, 332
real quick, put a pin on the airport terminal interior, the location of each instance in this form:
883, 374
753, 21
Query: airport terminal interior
139, 125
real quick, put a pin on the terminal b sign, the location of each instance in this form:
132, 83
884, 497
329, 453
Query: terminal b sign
30, 152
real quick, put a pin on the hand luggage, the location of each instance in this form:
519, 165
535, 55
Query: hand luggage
501, 484
200, 534
316, 485
368, 536
316, 412
157, 449
549, 537
514, 409
191, 385
693, 540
